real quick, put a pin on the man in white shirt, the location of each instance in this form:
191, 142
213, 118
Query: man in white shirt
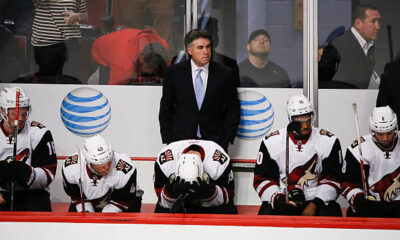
349, 59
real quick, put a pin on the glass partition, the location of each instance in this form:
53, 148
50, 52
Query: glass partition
356, 42
261, 36
89, 41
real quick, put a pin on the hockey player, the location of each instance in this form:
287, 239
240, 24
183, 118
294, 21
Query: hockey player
194, 176
108, 179
314, 167
35, 163
381, 160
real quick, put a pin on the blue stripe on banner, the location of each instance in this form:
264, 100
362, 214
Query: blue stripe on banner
80, 127
82, 109
254, 102
76, 118
254, 122
84, 99
86, 134
247, 112
250, 137
244, 130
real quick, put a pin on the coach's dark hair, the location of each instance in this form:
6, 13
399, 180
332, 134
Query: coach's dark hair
196, 34
359, 11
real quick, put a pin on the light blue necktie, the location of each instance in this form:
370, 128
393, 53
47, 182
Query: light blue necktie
199, 91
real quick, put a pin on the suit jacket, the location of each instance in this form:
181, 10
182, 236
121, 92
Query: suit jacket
345, 61
390, 87
219, 115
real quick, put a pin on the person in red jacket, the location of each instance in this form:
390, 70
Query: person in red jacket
132, 55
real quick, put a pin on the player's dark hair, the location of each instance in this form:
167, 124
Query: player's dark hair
359, 11
196, 34
195, 148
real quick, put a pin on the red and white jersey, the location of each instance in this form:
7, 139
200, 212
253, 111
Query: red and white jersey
111, 193
216, 163
382, 170
314, 165
35, 147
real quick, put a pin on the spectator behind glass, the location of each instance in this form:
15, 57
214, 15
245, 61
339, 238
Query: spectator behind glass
51, 61
390, 87
349, 59
135, 14
57, 23
257, 70
131, 56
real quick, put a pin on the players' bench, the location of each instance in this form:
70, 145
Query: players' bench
149, 208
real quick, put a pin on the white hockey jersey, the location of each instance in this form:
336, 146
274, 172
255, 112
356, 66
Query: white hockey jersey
382, 170
35, 147
314, 165
114, 192
216, 163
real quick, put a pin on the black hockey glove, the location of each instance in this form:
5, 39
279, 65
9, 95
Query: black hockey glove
366, 207
22, 172
297, 196
176, 186
279, 205
5, 172
204, 188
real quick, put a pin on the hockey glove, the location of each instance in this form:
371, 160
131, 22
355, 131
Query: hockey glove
297, 197
22, 173
205, 188
5, 172
366, 207
279, 205
176, 186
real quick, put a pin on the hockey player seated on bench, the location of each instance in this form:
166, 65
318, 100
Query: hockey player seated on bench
194, 176
306, 181
102, 179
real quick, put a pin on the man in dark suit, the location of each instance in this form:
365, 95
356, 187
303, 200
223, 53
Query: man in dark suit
390, 87
349, 59
200, 99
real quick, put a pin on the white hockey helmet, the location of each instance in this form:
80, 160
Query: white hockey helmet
97, 150
382, 119
298, 105
189, 167
8, 98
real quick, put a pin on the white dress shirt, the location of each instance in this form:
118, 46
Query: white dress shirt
203, 74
